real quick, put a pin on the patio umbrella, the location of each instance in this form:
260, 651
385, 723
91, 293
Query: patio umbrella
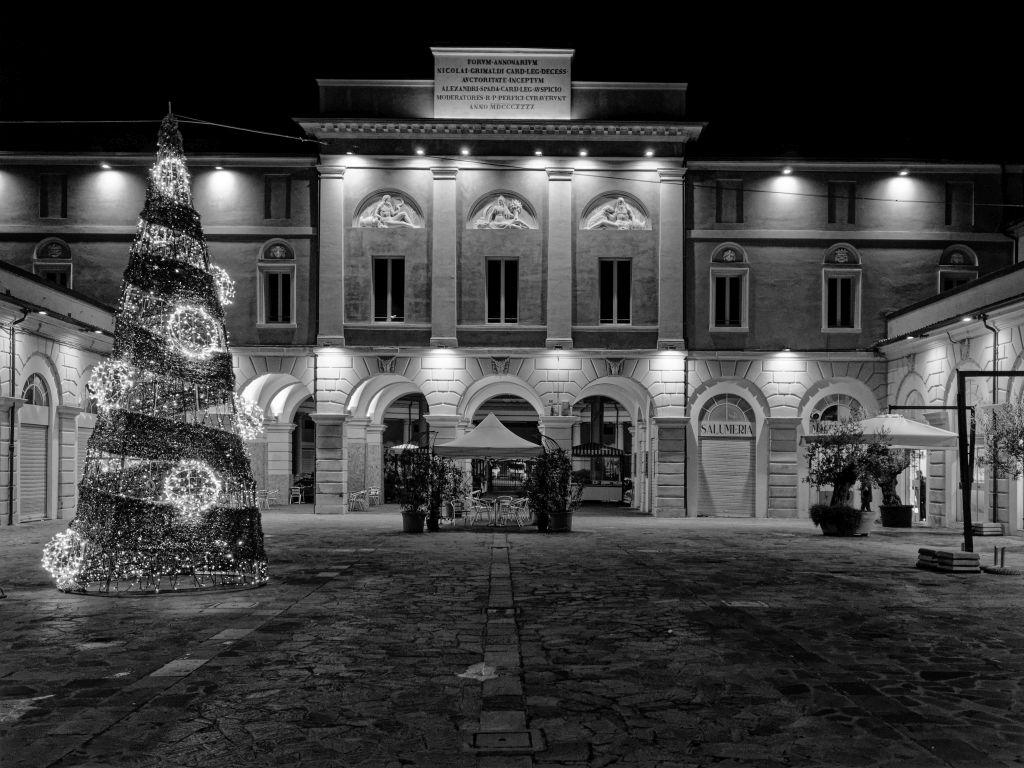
492, 439
902, 432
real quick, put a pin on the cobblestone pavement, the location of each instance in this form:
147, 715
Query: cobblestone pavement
630, 641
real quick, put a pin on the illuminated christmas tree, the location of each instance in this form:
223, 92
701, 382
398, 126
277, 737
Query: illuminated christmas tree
167, 498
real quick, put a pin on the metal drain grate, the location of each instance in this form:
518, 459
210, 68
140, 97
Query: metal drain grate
506, 742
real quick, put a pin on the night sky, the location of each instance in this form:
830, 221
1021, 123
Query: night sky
769, 83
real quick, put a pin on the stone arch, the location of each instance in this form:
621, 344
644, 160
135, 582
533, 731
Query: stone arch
278, 394
967, 257
41, 364
738, 386
911, 383
854, 388
482, 390
372, 396
624, 390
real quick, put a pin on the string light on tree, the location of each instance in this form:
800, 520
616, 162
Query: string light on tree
192, 487
167, 499
225, 285
110, 383
248, 418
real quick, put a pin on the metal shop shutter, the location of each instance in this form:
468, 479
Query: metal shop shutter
726, 478
32, 486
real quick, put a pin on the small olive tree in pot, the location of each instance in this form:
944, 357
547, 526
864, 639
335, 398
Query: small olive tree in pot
883, 465
835, 457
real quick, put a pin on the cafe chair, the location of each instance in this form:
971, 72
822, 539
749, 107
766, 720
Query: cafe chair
357, 501
295, 495
373, 497
262, 499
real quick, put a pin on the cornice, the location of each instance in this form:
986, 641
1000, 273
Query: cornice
417, 129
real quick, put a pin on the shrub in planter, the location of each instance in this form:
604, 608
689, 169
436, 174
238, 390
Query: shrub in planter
836, 520
550, 488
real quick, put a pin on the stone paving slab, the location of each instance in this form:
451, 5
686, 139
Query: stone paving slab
631, 641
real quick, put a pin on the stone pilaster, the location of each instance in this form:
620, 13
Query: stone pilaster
559, 429
67, 460
8, 418
444, 244
783, 468
374, 476
670, 466
331, 328
355, 453
671, 258
331, 472
560, 282
279, 458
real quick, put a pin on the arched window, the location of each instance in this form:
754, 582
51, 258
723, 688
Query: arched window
841, 289
276, 278
730, 288
52, 262
836, 407
958, 266
35, 392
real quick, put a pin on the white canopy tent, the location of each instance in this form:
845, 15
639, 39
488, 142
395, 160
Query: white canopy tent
902, 432
490, 439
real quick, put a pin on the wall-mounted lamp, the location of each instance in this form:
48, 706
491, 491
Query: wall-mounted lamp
904, 171
787, 170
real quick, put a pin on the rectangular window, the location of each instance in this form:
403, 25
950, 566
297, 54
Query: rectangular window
277, 196
277, 297
53, 196
729, 201
960, 204
728, 300
615, 289
841, 300
842, 198
389, 289
502, 291
950, 279
55, 273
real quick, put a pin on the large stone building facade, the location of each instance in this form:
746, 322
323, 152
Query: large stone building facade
580, 270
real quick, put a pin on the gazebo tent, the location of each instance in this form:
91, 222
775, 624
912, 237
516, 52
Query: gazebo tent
490, 439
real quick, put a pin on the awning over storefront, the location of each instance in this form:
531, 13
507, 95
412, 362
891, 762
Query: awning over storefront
596, 449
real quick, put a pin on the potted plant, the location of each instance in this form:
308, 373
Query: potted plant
835, 457
407, 474
884, 465
444, 482
551, 490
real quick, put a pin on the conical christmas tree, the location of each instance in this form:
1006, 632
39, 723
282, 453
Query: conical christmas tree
167, 498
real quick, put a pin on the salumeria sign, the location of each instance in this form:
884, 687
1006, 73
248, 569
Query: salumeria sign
726, 429
521, 84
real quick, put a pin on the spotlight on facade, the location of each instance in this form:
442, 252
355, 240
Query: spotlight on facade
904, 171
419, 150
966, 319
218, 167
649, 153
105, 166
464, 151
787, 171
583, 153
537, 152
786, 349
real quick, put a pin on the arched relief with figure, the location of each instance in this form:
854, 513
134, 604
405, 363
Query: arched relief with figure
389, 210
502, 210
615, 211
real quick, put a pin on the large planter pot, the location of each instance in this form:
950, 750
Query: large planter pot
841, 520
897, 516
412, 522
543, 521
559, 522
